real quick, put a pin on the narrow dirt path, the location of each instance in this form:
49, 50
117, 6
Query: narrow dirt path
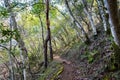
69, 72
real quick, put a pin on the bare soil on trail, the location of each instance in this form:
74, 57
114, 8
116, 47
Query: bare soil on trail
70, 71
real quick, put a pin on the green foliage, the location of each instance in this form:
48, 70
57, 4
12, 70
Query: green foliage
89, 1
29, 21
7, 34
90, 55
116, 75
51, 72
35, 29
34, 61
80, 7
3, 57
116, 49
3, 12
38, 7
53, 13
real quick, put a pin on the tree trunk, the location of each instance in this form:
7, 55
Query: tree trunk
45, 53
114, 20
48, 28
42, 28
48, 37
13, 26
23, 50
6, 2
102, 13
76, 22
89, 16
11, 62
50, 48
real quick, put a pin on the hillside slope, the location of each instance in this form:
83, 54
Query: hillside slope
90, 62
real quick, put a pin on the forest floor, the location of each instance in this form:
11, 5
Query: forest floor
89, 62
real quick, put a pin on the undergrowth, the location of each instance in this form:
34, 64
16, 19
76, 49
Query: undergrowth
51, 72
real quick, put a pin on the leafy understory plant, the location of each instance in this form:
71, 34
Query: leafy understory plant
91, 55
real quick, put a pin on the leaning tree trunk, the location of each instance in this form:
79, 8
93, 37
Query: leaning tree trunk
82, 17
89, 16
114, 20
76, 22
102, 13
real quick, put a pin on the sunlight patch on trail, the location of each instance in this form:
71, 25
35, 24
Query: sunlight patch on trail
59, 59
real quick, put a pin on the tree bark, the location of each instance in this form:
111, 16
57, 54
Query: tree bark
21, 44
11, 62
48, 28
102, 13
82, 17
48, 37
89, 16
114, 20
